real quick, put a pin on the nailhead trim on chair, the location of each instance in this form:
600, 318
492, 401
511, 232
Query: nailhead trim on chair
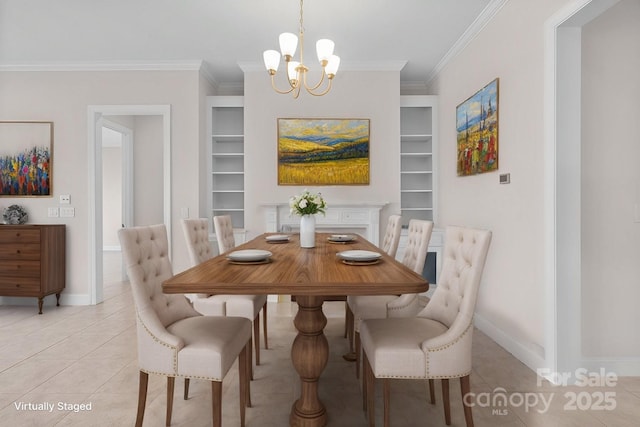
156, 339
444, 347
175, 359
434, 377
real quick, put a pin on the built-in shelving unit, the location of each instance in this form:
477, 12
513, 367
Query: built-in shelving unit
227, 157
418, 173
417, 177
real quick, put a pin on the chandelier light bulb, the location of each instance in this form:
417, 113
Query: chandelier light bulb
288, 44
332, 66
271, 60
324, 49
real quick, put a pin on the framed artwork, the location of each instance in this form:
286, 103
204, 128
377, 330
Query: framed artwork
323, 151
26, 149
477, 131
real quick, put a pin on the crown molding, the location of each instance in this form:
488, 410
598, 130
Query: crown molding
470, 33
390, 65
195, 65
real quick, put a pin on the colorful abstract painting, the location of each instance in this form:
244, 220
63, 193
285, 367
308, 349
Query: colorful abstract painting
323, 151
25, 158
477, 129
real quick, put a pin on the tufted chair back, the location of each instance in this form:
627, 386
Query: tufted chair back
418, 236
224, 233
392, 235
196, 231
454, 299
146, 258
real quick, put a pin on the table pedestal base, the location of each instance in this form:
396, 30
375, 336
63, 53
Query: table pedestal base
309, 354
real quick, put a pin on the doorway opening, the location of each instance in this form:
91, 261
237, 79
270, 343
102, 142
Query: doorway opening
160, 146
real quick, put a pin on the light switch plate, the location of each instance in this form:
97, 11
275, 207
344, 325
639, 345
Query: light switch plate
53, 213
505, 178
67, 212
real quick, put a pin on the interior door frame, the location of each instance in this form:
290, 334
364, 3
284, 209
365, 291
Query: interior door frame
127, 168
562, 183
94, 126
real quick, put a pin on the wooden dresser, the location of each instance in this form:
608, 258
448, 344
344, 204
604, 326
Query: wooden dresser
32, 261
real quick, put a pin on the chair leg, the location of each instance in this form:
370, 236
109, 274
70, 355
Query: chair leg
365, 367
432, 392
465, 388
370, 384
349, 327
264, 325
256, 337
242, 383
248, 368
445, 401
386, 391
216, 398
171, 381
186, 388
142, 397
250, 357
357, 340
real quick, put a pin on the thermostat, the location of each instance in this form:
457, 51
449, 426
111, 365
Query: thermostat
505, 178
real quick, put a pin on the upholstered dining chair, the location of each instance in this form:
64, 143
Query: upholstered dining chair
392, 235
390, 247
406, 305
173, 339
223, 227
436, 343
196, 232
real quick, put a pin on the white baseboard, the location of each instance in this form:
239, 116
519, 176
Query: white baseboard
49, 300
111, 249
519, 351
621, 366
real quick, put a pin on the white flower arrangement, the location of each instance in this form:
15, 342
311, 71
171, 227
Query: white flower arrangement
307, 203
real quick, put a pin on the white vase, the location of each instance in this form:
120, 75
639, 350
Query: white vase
308, 231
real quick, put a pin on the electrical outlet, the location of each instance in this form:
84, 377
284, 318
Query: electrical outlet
53, 213
65, 199
67, 212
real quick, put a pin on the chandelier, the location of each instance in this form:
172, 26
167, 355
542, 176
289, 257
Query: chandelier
296, 70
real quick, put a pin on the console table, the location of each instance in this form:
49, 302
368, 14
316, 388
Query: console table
32, 261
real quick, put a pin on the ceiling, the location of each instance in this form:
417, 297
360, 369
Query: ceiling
224, 33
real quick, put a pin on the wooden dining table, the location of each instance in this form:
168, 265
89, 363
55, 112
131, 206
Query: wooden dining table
309, 274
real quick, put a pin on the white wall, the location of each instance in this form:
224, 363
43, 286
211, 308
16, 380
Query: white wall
147, 171
511, 304
369, 95
111, 196
63, 97
611, 182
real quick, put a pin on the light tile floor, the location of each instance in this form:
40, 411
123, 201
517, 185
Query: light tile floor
87, 355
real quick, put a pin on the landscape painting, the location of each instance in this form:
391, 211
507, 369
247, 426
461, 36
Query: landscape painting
477, 130
25, 158
323, 151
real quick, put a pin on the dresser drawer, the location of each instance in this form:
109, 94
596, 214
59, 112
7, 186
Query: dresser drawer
18, 286
19, 235
29, 251
9, 269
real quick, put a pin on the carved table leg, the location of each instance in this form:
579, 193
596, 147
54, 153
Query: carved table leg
309, 354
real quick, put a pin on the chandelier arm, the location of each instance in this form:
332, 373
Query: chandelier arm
273, 85
296, 93
328, 88
309, 89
